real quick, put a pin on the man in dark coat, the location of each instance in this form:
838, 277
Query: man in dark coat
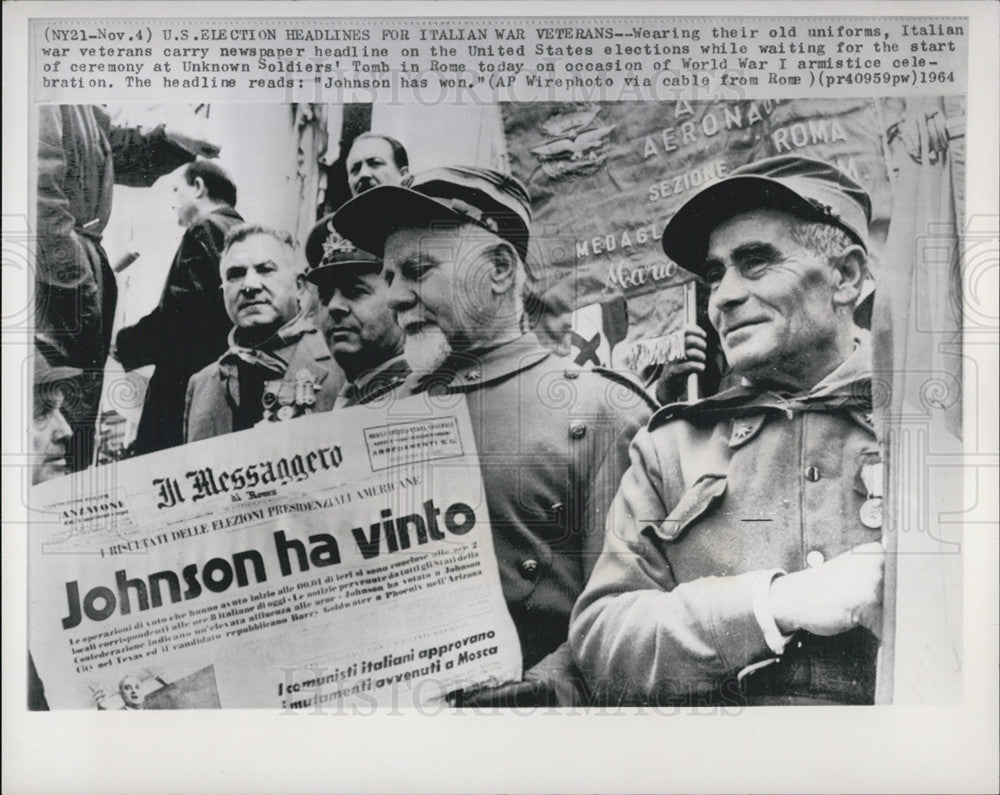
81, 155
50, 435
277, 366
188, 328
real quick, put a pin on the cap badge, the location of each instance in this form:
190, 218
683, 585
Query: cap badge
871, 509
477, 215
335, 244
825, 209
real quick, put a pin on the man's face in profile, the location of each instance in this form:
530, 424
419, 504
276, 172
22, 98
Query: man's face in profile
50, 433
185, 201
371, 163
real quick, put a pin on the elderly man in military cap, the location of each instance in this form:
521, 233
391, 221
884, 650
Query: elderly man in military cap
355, 317
552, 438
742, 561
277, 366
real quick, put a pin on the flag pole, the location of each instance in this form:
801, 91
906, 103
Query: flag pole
691, 317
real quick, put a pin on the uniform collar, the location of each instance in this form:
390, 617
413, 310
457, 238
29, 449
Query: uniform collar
267, 354
226, 210
855, 368
394, 365
472, 369
848, 386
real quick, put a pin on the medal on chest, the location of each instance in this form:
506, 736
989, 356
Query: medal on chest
871, 509
285, 400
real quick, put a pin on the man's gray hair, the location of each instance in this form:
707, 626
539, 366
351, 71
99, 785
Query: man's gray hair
822, 239
827, 241
241, 232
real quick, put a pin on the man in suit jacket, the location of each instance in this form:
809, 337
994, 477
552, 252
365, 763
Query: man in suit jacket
81, 156
188, 328
277, 366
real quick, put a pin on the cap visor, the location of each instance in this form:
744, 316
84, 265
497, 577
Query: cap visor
685, 240
367, 220
327, 273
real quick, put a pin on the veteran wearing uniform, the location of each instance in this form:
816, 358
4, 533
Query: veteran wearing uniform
552, 439
355, 317
742, 561
277, 366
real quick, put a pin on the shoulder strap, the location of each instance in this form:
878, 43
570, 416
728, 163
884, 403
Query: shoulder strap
630, 382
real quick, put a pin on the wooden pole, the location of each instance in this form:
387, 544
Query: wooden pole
691, 316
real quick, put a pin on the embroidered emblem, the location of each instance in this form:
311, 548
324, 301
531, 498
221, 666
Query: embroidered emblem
335, 244
871, 509
871, 513
742, 430
745, 428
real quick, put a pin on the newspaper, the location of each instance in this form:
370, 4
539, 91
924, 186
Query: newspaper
268, 572
612, 123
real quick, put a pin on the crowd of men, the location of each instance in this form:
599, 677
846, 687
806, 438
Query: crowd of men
724, 550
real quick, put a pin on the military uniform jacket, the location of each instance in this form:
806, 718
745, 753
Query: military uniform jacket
213, 393
185, 332
384, 380
717, 493
552, 442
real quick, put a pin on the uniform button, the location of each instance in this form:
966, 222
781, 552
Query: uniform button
529, 567
815, 558
577, 430
812, 474
571, 374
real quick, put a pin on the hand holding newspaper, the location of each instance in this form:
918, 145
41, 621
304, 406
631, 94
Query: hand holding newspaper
313, 564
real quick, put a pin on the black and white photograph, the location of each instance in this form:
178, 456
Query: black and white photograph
529, 371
